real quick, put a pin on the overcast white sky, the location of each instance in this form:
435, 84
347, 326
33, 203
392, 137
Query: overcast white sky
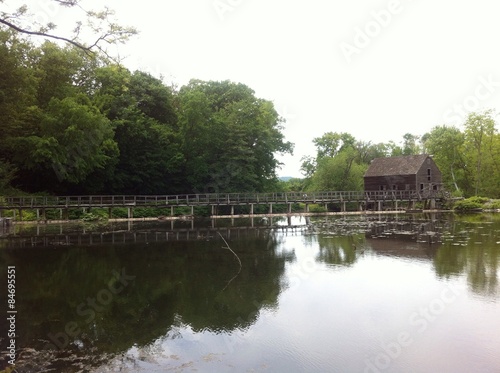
375, 69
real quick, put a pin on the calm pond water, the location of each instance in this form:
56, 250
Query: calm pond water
377, 293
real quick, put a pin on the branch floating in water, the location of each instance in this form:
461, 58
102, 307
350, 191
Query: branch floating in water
239, 261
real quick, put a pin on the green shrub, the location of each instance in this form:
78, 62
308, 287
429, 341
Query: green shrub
94, 215
467, 204
493, 204
478, 199
316, 208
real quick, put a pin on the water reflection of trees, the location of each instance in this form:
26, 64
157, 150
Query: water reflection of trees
472, 248
339, 250
456, 244
176, 282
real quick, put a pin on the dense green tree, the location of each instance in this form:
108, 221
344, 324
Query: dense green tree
141, 112
446, 144
342, 172
18, 87
332, 143
230, 137
481, 139
74, 139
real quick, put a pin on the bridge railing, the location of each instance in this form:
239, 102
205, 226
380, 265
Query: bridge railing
213, 199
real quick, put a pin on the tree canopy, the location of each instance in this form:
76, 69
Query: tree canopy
73, 123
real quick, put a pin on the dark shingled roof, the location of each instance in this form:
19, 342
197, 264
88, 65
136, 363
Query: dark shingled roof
404, 165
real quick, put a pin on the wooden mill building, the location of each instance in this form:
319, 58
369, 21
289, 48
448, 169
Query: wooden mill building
412, 172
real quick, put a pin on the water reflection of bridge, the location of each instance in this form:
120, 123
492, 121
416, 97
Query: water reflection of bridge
41, 235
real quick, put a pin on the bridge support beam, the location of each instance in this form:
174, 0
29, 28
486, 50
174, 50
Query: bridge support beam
343, 206
379, 206
192, 210
306, 207
130, 213
251, 209
270, 208
289, 208
171, 210
232, 209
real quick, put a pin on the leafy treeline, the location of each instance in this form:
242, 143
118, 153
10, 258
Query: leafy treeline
72, 123
468, 157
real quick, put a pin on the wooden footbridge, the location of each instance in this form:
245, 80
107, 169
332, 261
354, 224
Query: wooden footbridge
338, 200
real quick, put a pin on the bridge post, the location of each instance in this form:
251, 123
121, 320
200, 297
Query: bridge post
432, 204
232, 209
343, 206
270, 208
171, 210
289, 208
251, 209
379, 205
326, 207
306, 208
130, 213
192, 210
